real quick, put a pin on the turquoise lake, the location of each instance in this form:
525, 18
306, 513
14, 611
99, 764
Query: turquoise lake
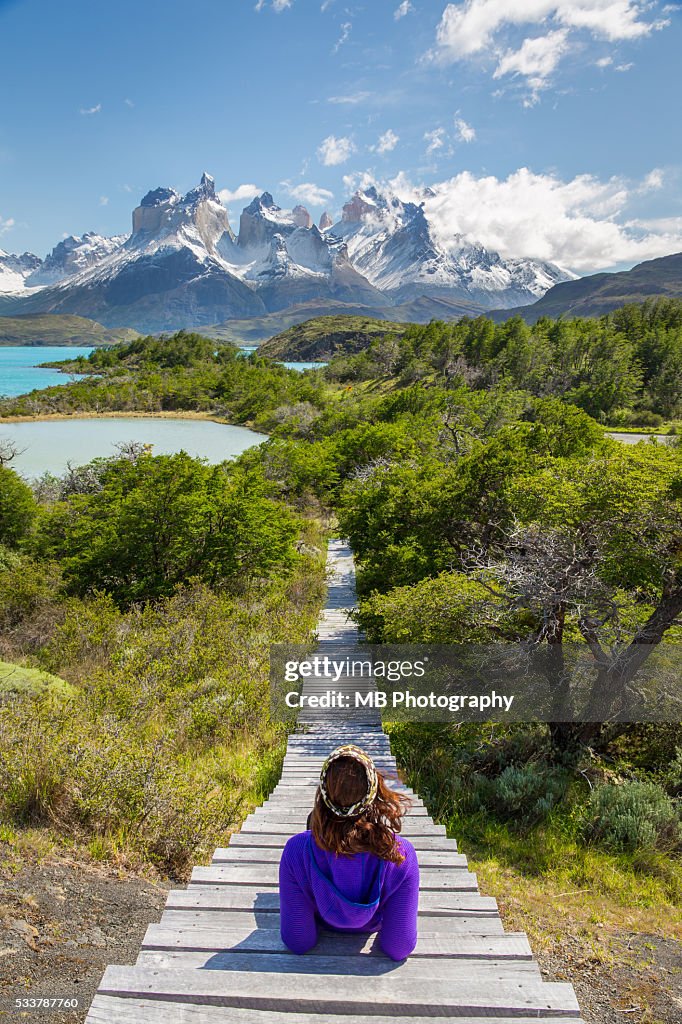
19, 370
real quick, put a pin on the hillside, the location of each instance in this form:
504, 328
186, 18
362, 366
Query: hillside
253, 330
54, 329
602, 293
325, 336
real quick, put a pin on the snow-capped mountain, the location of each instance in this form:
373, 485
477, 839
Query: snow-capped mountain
14, 270
392, 244
183, 265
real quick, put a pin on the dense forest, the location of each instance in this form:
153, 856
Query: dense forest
468, 466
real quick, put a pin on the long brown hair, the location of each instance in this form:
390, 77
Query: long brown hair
371, 832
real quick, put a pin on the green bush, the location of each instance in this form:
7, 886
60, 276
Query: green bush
17, 508
633, 816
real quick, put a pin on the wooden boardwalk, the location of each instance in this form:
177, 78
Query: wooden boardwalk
216, 955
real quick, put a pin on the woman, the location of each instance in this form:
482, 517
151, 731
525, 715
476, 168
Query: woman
350, 871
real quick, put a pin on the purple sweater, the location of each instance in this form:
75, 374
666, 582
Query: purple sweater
356, 893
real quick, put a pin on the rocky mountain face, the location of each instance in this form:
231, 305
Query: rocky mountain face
184, 266
15, 269
393, 245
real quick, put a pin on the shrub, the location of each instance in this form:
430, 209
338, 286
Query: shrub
630, 817
17, 508
527, 792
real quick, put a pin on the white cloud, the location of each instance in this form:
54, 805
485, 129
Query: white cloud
227, 195
404, 8
91, 110
583, 223
386, 142
129, 103
333, 151
435, 139
604, 62
351, 98
477, 28
535, 60
465, 133
307, 192
345, 32
104, 200
277, 5
6, 224
624, 67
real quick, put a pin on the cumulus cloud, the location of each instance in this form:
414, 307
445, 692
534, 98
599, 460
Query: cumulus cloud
240, 192
6, 224
477, 28
464, 131
386, 142
91, 110
309, 193
404, 8
104, 200
333, 151
583, 223
435, 140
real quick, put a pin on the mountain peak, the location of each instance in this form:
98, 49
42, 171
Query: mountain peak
325, 221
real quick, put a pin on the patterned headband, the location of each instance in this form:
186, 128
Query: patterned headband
360, 806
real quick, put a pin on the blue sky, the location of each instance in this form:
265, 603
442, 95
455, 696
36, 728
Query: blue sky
547, 128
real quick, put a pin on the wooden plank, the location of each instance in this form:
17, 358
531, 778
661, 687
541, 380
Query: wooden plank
436, 879
263, 839
454, 922
332, 993
114, 1010
271, 855
282, 810
512, 945
250, 897
411, 827
417, 969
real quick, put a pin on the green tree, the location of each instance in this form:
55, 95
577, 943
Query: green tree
158, 521
17, 508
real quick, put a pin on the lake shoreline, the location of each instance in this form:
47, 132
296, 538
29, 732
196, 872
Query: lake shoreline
187, 414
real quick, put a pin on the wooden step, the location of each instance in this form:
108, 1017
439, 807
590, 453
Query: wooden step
277, 841
113, 1010
443, 923
435, 879
271, 855
333, 993
416, 968
250, 897
512, 945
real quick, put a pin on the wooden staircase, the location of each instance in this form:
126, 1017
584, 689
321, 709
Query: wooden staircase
216, 955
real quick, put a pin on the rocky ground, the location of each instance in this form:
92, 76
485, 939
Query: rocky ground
63, 919
61, 922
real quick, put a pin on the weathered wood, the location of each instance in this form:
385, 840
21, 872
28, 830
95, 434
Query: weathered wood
264, 839
440, 923
332, 993
417, 969
510, 945
250, 897
438, 878
271, 855
411, 827
114, 1010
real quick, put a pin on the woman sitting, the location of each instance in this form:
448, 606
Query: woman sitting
350, 871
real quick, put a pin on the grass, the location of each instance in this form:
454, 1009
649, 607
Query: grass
20, 679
